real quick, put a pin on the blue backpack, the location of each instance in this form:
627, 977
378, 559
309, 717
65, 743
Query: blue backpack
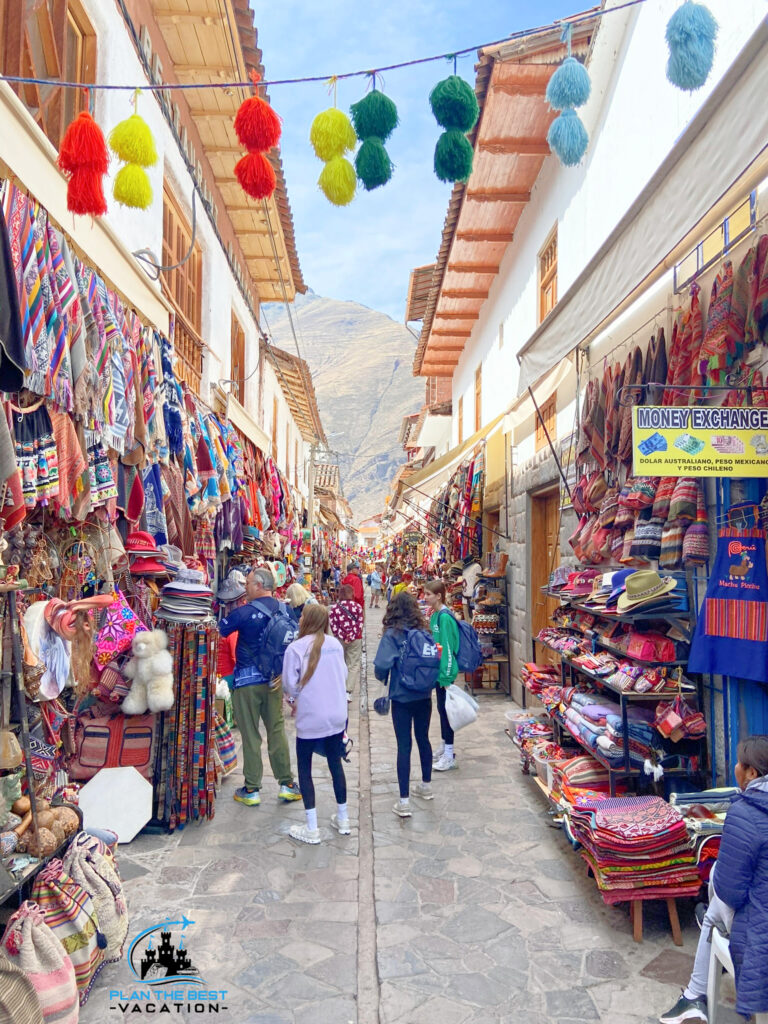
469, 656
278, 633
419, 661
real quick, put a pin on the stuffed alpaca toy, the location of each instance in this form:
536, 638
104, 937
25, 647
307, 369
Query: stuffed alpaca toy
151, 670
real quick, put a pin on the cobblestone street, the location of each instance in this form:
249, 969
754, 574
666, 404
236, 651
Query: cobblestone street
474, 911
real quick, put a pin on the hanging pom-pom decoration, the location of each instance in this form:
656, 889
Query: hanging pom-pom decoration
256, 175
453, 156
569, 86
568, 138
258, 128
131, 140
84, 159
372, 163
257, 125
332, 134
691, 33
454, 104
338, 181
375, 115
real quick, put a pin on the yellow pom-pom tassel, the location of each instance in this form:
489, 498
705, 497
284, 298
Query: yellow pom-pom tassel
332, 134
131, 141
132, 187
338, 181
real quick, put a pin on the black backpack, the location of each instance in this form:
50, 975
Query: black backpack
280, 631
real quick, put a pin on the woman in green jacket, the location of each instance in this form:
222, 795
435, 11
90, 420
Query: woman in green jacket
446, 633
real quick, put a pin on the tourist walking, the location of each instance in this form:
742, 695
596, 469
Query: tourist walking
296, 598
445, 630
314, 675
375, 585
256, 695
355, 580
346, 619
411, 709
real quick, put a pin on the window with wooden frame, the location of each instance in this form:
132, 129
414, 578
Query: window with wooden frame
275, 413
460, 418
237, 360
183, 286
548, 276
49, 39
478, 398
548, 411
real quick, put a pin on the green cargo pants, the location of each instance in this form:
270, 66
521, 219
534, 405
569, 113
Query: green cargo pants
252, 703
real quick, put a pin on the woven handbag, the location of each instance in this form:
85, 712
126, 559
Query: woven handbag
119, 624
664, 493
91, 865
684, 499
225, 744
69, 912
609, 506
18, 999
32, 947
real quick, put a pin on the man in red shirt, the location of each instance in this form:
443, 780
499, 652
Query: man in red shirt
354, 579
346, 620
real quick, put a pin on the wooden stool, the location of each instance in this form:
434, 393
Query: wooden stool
636, 917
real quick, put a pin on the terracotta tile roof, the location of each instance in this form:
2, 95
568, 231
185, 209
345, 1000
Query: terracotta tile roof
295, 380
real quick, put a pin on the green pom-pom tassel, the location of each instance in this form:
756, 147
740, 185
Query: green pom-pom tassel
332, 134
338, 181
374, 115
374, 168
453, 156
132, 187
454, 104
131, 141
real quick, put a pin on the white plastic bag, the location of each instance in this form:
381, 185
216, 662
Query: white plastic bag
460, 707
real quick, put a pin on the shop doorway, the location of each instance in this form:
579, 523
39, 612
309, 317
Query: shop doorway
545, 556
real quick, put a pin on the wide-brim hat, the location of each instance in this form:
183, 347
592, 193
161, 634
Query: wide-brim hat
233, 586
618, 583
171, 556
148, 565
581, 583
643, 586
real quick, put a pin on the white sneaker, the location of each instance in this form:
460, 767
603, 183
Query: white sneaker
305, 834
438, 752
341, 825
349, 697
445, 764
402, 810
424, 790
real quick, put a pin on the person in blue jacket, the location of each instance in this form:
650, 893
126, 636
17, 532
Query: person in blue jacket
410, 709
738, 894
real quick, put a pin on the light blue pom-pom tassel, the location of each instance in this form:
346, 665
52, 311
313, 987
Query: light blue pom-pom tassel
569, 86
691, 33
568, 138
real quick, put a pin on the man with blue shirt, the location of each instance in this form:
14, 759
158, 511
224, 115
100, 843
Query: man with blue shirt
253, 697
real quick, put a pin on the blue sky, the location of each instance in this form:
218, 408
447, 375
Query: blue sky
366, 251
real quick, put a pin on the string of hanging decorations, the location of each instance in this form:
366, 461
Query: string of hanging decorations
84, 157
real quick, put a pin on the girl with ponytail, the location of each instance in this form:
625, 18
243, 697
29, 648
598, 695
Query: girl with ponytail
315, 676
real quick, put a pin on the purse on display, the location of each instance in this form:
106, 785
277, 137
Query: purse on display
90, 864
650, 646
117, 742
696, 541
119, 625
30, 948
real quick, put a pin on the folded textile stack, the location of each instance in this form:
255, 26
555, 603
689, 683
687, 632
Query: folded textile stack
579, 775
637, 847
586, 718
187, 598
641, 737
562, 642
536, 677
600, 664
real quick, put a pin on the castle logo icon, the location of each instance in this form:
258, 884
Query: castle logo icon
165, 961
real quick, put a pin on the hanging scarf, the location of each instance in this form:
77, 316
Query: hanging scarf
173, 400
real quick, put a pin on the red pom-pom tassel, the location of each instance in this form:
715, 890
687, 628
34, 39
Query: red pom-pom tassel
83, 145
256, 175
257, 125
85, 193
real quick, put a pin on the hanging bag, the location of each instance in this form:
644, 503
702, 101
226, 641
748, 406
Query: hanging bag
225, 744
29, 946
69, 912
90, 864
18, 999
696, 542
460, 707
119, 624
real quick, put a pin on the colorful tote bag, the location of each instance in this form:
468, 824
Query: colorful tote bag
18, 1000
69, 912
119, 625
31, 947
731, 637
225, 744
90, 864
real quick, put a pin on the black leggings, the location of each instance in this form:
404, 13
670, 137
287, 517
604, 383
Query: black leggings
333, 748
403, 713
446, 732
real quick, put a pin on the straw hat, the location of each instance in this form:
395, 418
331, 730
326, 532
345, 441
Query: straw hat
643, 586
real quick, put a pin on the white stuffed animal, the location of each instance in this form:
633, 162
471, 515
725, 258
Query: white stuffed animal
151, 669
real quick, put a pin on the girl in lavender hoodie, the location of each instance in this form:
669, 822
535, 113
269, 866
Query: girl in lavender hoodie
314, 674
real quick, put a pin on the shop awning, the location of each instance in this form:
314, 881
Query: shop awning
31, 160
242, 420
722, 155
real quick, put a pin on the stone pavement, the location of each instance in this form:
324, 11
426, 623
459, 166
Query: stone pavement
483, 913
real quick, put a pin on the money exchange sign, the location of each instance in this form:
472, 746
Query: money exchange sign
699, 441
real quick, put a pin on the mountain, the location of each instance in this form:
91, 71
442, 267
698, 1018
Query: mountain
361, 368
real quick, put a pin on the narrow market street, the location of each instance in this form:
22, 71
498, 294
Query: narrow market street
483, 912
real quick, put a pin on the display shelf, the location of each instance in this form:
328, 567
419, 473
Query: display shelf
611, 648
498, 637
676, 618
6, 892
631, 695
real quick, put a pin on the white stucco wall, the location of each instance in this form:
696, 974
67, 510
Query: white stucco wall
118, 63
633, 116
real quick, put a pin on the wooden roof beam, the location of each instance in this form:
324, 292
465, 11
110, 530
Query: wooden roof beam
457, 316
500, 195
219, 70
484, 236
224, 150
473, 268
177, 17
436, 370
510, 144
213, 115
450, 332
522, 87
464, 293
